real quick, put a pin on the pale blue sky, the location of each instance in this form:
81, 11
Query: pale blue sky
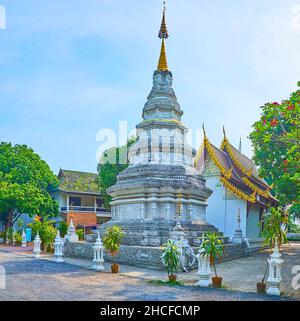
69, 68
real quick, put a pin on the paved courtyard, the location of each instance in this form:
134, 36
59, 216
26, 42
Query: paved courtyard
32, 279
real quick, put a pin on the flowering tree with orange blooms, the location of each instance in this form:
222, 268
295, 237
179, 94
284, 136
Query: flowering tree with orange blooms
276, 141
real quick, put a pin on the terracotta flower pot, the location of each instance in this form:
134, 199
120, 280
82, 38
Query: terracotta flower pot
261, 288
172, 278
115, 268
217, 281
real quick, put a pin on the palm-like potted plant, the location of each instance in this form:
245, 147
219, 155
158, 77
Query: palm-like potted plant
212, 245
171, 259
111, 241
272, 227
47, 231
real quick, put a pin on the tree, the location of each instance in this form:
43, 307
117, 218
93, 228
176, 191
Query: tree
276, 141
25, 183
274, 227
112, 162
46, 229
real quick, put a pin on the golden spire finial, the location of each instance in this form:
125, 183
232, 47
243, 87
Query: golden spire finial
163, 34
162, 62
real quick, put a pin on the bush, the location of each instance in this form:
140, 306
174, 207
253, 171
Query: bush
20, 224
273, 227
46, 230
63, 228
112, 239
9, 234
18, 238
212, 245
80, 233
171, 257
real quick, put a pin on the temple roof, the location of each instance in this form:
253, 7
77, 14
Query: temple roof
237, 172
78, 182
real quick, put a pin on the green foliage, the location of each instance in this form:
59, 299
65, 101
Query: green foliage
112, 162
25, 183
273, 226
80, 233
276, 141
9, 234
162, 282
291, 226
20, 224
171, 257
18, 238
46, 230
212, 245
112, 239
63, 228
3, 235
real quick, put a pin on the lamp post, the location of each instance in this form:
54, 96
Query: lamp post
24, 239
274, 278
37, 246
58, 248
98, 260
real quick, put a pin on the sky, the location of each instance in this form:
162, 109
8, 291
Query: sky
70, 68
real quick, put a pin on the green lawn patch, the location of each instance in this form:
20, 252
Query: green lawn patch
169, 283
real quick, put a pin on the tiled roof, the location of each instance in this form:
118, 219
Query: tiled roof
78, 182
238, 172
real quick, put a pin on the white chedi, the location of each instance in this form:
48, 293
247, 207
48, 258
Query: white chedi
58, 248
71, 233
274, 277
98, 261
24, 243
37, 246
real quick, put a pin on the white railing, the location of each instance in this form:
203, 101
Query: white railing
98, 210
104, 214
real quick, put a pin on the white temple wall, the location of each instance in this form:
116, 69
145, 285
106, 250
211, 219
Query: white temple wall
253, 229
231, 213
222, 212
